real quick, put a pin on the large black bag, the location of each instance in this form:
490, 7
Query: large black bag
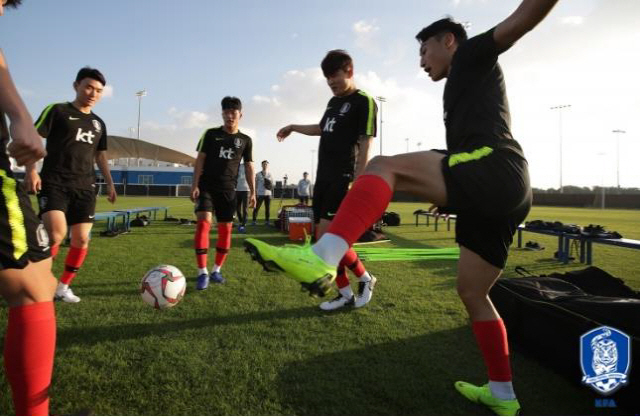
545, 317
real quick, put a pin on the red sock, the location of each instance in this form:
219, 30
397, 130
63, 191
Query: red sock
54, 251
72, 264
224, 242
29, 349
342, 280
351, 261
363, 206
492, 339
201, 242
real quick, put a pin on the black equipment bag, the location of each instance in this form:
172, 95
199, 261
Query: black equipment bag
545, 317
391, 218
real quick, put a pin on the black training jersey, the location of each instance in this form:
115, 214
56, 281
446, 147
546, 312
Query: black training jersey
344, 121
476, 110
73, 139
224, 152
5, 164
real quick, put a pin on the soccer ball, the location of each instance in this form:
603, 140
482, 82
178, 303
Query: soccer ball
163, 286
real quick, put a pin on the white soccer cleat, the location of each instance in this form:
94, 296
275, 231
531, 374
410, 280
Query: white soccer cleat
67, 296
365, 292
338, 302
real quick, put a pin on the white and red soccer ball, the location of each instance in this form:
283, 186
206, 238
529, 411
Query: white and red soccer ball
163, 286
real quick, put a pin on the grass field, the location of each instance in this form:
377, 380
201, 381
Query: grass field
257, 345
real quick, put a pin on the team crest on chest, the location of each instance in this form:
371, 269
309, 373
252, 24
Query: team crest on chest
97, 125
238, 143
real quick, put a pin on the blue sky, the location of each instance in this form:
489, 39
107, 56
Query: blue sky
189, 54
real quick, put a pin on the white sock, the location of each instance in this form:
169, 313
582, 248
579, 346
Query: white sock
62, 287
502, 390
203, 271
365, 277
216, 268
346, 292
331, 248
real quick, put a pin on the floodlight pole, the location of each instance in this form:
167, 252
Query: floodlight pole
381, 100
140, 94
559, 108
618, 132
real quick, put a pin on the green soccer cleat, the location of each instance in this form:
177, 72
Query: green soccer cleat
482, 395
297, 262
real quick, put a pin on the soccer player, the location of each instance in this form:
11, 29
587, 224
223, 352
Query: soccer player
215, 175
303, 189
346, 131
76, 138
264, 187
242, 199
26, 281
483, 177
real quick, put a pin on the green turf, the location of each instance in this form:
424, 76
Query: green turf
257, 345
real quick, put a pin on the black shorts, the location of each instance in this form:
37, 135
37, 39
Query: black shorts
222, 203
327, 197
488, 189
23, 237
78, 205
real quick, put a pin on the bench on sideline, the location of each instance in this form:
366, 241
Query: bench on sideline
585, 242
112, 219
436, 217
151, 211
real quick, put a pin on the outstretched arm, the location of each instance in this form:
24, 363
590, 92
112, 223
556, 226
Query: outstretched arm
309, 130
521, 21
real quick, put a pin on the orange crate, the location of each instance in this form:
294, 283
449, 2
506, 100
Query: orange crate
298, 226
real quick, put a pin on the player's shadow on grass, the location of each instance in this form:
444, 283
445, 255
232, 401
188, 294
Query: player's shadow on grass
91, 335
415, 376
411, 376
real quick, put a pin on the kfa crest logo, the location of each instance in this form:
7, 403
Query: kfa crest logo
345, 108
605, 359
97, 125
238, 143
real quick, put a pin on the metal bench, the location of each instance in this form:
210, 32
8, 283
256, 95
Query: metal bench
112, 219
436, 217
586, 246
152, 211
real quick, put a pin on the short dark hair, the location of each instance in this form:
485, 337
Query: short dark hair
305, 173
440, 27
264, 162
335, 60
88, 72
231, 103
13, 3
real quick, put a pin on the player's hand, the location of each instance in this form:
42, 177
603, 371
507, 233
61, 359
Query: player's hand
195, 193
26, 147
32, 181
112, 194
252, 201
284, 132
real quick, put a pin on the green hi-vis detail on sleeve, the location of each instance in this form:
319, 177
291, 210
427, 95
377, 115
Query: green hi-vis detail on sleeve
372, 110
201, 140
16, 218
44, 115
458, 158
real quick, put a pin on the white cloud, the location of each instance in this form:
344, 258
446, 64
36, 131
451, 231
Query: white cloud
572, 20
107, 92
366, 35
